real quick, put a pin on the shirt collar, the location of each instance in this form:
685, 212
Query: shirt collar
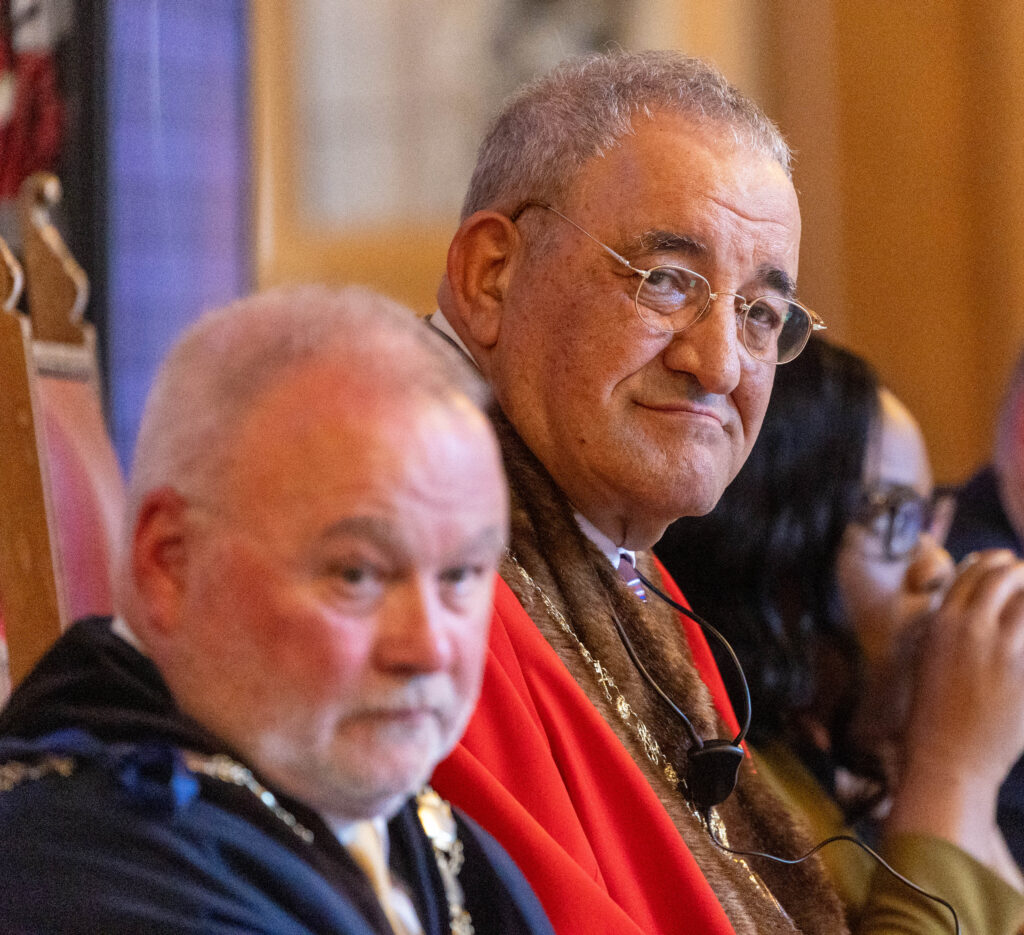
608, 548
438, 322
119, 627
345, 831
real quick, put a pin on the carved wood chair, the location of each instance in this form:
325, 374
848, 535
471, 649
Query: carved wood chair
61, 490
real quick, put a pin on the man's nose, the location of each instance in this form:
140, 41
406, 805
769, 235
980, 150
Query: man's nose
413, 631
710, 348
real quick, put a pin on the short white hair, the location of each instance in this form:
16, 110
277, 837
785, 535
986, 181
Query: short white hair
552, 126
231, 356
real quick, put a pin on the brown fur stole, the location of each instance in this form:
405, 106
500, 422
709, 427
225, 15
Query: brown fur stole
578, 579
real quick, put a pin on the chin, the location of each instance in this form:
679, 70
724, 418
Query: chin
363, 783
355, 798
385, 806
702, 508
385, 784
697, 498
676, 489
688, 506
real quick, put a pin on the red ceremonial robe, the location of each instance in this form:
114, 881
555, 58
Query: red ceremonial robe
540, 769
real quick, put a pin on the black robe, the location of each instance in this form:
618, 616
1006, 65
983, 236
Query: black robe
105, 830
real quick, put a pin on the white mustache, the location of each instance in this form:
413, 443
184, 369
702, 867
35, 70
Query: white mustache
437, 695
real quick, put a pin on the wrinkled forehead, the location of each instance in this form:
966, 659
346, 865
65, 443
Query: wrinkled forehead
324, 422
675, 176
662, 141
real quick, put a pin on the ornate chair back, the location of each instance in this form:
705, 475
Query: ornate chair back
61, 489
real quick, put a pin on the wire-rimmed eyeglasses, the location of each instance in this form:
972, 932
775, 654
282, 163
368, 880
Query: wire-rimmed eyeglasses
898, 515
774, 328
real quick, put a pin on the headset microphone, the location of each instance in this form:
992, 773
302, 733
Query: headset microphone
712, 766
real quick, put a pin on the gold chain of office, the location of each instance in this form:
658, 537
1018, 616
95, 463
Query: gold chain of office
712, 822
434, 813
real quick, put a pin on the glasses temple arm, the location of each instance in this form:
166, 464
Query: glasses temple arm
618, 256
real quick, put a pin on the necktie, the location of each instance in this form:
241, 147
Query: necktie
629, 575
367, 850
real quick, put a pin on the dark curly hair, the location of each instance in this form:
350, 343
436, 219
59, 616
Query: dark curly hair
761, 565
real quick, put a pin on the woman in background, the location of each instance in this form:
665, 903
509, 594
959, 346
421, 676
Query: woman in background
823, 566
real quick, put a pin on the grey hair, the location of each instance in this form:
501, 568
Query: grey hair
549, 128
231, 356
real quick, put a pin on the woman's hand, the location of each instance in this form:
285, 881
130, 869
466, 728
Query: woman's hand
966, 727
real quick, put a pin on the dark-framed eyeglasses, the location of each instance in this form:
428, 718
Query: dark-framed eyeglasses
774, 328
898, 515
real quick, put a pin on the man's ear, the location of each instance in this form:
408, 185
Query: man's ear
480, 262
159, 556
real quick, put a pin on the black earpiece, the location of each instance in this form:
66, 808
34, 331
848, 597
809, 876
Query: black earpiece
712, 766
712, 771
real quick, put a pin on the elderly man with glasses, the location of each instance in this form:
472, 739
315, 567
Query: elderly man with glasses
624, 276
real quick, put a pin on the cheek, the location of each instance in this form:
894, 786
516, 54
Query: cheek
871, 593
307, 646
471, 653
221, 604
580, 339
320, 653
751, 401
577, 374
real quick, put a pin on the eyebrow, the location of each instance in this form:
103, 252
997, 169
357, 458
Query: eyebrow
369, 527
382, 533
658, 240
778, 280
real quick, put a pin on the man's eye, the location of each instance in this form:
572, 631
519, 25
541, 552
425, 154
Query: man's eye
461, 579
765, 313
355, 577
668, 283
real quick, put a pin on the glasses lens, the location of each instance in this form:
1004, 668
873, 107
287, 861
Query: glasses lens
896, 516
671, 298
907, 520
775, 330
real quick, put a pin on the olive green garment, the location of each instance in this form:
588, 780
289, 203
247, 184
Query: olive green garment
877, 903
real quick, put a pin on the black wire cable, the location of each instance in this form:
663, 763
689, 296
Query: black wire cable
817, 847
701, 622
695, 738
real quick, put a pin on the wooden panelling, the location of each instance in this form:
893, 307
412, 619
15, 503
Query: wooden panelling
403, 260
917, 162
32, 603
